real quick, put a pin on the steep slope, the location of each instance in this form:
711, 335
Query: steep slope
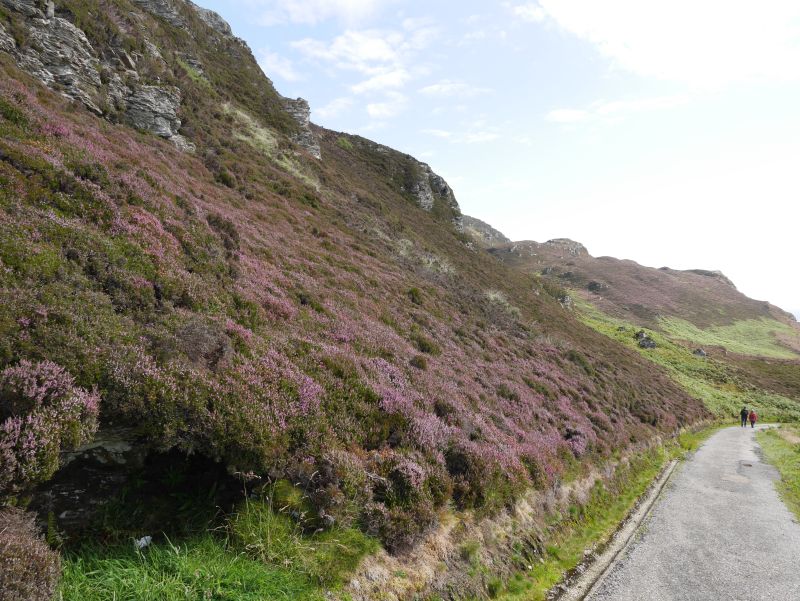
234, 285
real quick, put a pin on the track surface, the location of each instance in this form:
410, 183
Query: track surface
719, 532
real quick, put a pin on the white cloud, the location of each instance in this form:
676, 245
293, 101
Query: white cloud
438, 133
704, 43
366, 51
567, 115
388, 59
395, 78
334, 107
447, 87
273, 64
480, 133
529, 12
615, 108
391, 106
312, 12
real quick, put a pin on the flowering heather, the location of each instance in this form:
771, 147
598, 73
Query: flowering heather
269, 325
43, 412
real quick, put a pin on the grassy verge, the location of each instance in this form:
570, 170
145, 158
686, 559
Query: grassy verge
200, 568
782, 449
596, 521
705, 378
258, 553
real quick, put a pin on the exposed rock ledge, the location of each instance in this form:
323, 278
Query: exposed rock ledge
301, 112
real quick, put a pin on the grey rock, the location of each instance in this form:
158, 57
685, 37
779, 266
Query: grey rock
154, 109
29, 8
164, 9
301, 113
213, 20
647, 342
698, 352
7, 43
483, 233
59, 54
576, 249
429, 187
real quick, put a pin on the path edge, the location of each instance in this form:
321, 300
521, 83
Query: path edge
597, 568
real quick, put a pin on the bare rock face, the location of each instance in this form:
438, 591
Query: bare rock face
29, 8
164, 9
60, 55
429, 187
213, 20
7, 43
154, 109
301, 112
483, 233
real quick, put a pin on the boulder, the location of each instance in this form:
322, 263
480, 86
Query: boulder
647, 342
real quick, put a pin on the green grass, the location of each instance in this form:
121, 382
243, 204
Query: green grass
715, 383
784, 454
201, 568
755, 337
261, 555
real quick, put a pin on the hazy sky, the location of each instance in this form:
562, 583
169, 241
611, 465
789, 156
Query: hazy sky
664, 132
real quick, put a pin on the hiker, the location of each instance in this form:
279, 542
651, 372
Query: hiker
744, 413
753, 418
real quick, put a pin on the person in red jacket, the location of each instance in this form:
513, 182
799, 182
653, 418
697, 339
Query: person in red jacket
753, 418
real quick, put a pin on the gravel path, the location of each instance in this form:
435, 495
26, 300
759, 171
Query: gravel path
719, 532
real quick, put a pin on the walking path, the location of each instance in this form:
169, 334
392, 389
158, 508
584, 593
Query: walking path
718, 533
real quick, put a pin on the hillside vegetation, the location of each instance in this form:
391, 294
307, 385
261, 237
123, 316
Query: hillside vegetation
249, 315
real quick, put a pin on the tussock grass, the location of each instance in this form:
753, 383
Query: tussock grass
781, 450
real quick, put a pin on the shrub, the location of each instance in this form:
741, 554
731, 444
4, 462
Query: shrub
419, 361
415, 296
29, 569
43, 412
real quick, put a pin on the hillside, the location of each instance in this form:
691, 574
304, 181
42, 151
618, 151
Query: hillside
717, 343
213, 310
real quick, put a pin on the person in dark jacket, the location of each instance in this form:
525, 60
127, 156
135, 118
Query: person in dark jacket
744, 413
753, 419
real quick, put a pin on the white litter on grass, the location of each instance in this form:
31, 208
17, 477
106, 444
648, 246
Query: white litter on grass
143, 542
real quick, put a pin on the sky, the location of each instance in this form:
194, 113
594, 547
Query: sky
667, 132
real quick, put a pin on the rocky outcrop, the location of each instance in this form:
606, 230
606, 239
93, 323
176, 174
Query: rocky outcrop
154, 109
59, 55
570, 247
7, 43
300, 111
429, 187
164, 9
213, 20
482, 233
